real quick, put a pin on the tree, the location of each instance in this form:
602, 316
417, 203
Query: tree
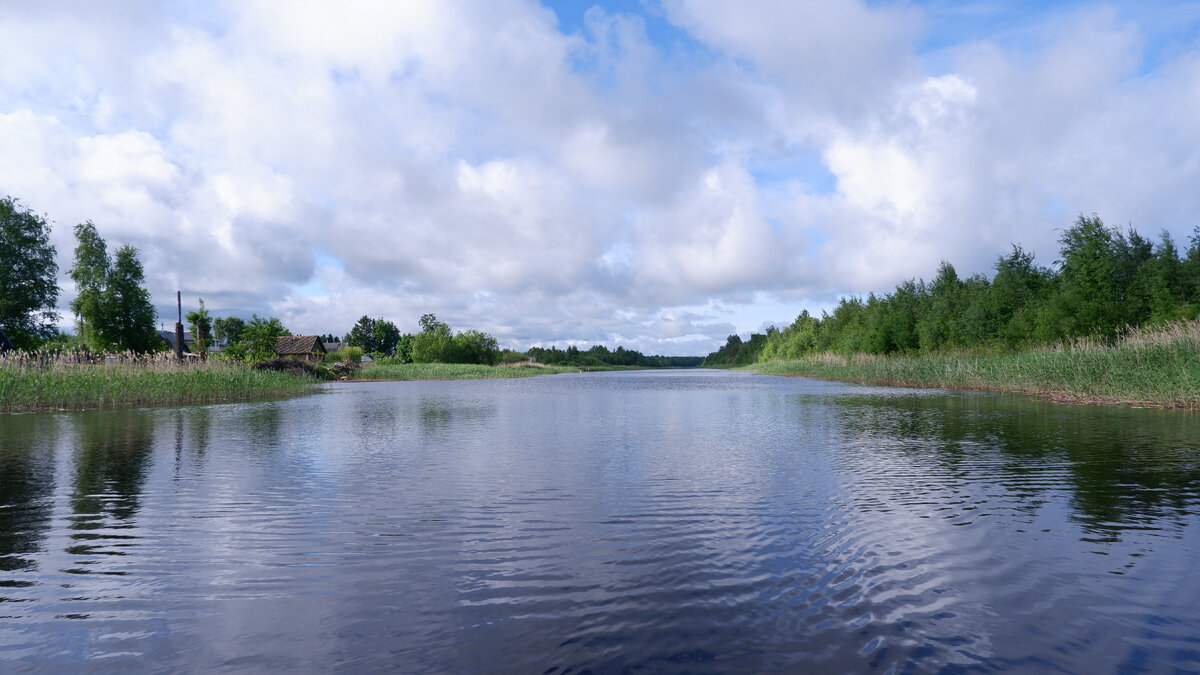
201, 326
363, 334
475, 346
1161, 279
374, 336
1138, 261
131, 315
229, 330
430, 324
90, 274
1016, 290
935, 327
1094, 277
385, 336
28, 290
404, 347
260, 337
112, 305
1191, 273
432, 347
433, 343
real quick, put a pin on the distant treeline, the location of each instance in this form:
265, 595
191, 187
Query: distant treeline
434, 344
1105, 280
600, 356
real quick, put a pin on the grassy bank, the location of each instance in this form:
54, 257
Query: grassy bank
29, 384
454, 371
1157, 367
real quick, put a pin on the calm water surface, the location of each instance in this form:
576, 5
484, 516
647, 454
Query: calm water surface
679, 521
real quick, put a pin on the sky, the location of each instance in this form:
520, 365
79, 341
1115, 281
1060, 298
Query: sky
655, 174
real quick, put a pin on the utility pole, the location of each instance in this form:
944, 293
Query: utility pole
179, 326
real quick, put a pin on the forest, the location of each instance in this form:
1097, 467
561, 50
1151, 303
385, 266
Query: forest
599, 356
1105, 281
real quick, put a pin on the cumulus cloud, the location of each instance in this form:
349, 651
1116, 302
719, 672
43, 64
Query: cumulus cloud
319, 162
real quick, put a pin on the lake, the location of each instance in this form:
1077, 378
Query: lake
654, 521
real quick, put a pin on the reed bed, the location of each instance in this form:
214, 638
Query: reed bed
1149, 367
35, 382
455, 371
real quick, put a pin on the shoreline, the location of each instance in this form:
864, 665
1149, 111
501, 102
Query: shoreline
1050, 395
428, 372
105, 387
1158, 375
26, 387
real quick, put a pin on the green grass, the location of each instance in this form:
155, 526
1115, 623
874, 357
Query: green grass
31, 385
1153, 368
453, 371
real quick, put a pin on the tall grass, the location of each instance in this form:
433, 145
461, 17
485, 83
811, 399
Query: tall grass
1157, 367
454, 371
31, 382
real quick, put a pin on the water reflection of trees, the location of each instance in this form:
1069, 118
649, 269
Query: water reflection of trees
194, 425
111, 460
263, 424
437, 414
1124, 468
26, 495
200, 425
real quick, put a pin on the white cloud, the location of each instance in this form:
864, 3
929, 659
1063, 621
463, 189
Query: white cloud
321, 162
828, 59
711, 240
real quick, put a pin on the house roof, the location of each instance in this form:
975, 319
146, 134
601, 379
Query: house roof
168, 336
299, 344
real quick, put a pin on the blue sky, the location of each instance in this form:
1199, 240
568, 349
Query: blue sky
653, 174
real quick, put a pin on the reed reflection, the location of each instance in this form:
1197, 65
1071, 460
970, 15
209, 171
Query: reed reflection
26, 497
1123, 469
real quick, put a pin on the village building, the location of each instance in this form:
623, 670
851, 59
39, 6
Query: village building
169, 338
303, 347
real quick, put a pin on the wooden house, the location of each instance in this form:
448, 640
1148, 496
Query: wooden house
303, 347
168, 337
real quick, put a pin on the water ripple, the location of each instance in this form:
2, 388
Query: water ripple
682, 522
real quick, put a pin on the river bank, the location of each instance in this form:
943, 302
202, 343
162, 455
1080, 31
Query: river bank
452, 371
32, 384
1157, 368
29, 384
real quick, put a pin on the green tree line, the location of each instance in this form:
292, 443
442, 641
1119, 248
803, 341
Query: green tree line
1104, 280
112, 305
434, 343
28, 290
600, 356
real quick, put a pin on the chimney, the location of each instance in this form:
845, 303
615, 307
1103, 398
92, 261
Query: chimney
179, 326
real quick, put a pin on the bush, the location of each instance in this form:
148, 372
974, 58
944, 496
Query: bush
353, 354
465, 348
294, 367
344, 369
509, 356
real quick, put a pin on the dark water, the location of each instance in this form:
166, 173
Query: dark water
688, 521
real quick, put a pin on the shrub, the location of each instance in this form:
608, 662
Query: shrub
509, 356
295, 367
353, 354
